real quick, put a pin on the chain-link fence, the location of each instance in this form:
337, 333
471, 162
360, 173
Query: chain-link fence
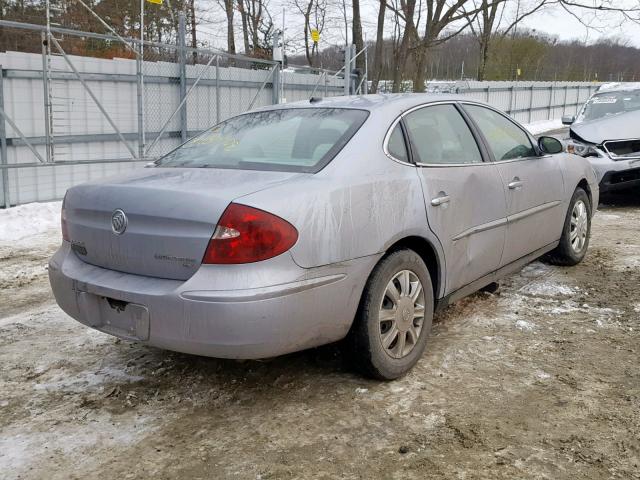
83, 105
186, 91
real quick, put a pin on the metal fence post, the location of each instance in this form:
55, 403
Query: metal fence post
140, 106
530, 102
47, 98
510, 100
3, 147
564, 102
275, 85
347, 70
550, 102
217, 88
183, 74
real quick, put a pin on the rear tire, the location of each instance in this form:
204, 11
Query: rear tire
574, 241
394, 318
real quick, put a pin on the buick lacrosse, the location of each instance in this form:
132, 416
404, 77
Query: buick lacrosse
297, 225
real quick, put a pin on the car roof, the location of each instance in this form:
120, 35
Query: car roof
393, 103
618, 87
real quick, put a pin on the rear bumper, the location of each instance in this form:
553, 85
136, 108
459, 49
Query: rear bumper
269, 308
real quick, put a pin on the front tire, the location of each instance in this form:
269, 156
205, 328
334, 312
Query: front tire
394, 318
575, 233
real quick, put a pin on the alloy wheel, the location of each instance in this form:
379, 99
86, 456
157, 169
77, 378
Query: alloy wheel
401, 314
579, 226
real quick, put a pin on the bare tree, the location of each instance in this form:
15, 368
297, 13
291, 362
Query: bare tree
343, 8
487, 24
257, 26
409, 37
192, 21
377, 57
314, 13
356, 31
229, 10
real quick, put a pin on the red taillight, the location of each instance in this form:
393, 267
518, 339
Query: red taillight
246, 234
63, 223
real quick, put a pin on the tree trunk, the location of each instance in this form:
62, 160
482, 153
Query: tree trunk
357, 38
377, 57
194, 40
409, 35
245, 27
400, 63
231, 41
307, 30
484, 57
419, 76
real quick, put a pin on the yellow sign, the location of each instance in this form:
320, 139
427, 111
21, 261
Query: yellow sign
519, 71
157, 2
315, 35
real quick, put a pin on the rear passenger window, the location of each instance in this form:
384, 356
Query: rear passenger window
440, 135
506, 140
396, 146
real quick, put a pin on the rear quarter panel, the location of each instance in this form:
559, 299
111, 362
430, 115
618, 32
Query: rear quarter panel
359, 205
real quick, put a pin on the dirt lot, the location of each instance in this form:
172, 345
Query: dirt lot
539, 381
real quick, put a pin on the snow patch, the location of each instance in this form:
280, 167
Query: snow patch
31, 219
20, 448
535, 269
608, 216
541, 374
536, 128
86, 379
548, 288
524, 325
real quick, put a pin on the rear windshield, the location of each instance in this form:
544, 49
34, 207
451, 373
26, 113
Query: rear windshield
294, 140
609, 103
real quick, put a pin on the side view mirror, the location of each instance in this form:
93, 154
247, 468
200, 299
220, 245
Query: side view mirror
550, 145
568, 119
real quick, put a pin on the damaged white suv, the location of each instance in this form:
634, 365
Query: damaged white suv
607, 132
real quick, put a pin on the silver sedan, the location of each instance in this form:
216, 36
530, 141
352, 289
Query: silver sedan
298, 225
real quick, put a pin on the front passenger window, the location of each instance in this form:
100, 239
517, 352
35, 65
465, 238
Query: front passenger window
506, 140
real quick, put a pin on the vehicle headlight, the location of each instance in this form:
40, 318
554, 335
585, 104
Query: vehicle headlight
582, 149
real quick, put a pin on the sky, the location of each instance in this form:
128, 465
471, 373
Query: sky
558, 22
553, 20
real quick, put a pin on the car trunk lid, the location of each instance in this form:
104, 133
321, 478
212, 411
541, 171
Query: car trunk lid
170, 213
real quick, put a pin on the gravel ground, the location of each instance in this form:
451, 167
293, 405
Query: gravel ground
538, 381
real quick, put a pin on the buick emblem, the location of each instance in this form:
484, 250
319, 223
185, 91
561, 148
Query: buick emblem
118, 222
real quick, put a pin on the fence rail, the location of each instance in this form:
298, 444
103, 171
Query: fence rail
69, 116
534, 101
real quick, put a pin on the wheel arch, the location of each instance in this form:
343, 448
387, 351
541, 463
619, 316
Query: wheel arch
583, 184
429, 255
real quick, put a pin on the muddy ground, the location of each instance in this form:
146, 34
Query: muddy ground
538, 381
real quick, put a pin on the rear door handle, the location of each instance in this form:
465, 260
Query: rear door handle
515, 184
441, 199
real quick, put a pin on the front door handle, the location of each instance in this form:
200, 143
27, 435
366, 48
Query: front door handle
515, 184
441, 199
